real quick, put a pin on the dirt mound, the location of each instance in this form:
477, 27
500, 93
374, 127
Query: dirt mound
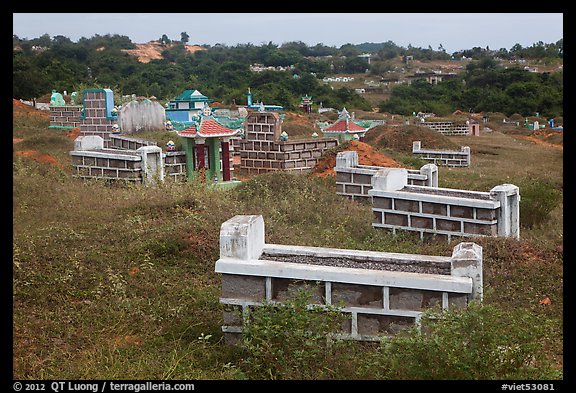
299, 124
552, 139
400, 138
73, 133
367, 155
19, 105
299, 130
39, 157
19, 108
301, 118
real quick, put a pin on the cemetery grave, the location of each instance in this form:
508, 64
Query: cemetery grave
128, 278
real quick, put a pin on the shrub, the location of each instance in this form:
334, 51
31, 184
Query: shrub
412, 161
290, 340
537, 200
479, 342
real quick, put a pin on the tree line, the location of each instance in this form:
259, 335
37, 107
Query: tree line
485, 86
223, 72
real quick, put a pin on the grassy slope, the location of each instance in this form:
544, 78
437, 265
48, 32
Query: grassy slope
118, 282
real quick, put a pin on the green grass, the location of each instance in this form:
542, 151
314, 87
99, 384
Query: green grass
118, 281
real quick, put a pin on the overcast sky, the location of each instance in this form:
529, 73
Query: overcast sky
455, 31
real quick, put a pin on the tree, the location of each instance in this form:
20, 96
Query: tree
560, 47
388, 51
61, 40
322, 50
27, 81
44, 41
516, 50
184, 37
164, 40
349, 50
503, 53
355, 65
297, 46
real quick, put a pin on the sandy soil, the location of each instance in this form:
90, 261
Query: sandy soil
367, 155
153, 50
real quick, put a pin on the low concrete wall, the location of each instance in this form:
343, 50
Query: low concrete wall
261, 156
125, 143
449, 128
91, 160
443, 212
67, 116
175, 165
123, 160
354, 180
443, 157
382, 293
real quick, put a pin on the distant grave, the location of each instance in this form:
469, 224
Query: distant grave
439, 157
355, 181
265, 148
64, 115
443, 212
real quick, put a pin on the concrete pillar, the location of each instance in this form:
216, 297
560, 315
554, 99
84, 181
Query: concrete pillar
152, 164
188, 145
346, 159
509, 212
466, 261
390, 179
431, 173
466, 149
416, 146
225, 145
200, 146
213, 173
242, 237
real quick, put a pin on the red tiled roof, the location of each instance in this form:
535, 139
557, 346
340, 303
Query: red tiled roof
209, 128
343, 125
190, 131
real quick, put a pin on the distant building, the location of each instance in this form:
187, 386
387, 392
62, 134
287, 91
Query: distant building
345, 129
187, 105
431, 77
365, 56
306, 103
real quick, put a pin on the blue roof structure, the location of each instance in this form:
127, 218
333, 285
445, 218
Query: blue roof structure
192, 96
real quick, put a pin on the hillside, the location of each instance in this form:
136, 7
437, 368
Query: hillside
153, 50
118, 282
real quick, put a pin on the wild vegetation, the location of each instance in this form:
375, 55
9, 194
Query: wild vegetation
223, 73
117, 281
483, 87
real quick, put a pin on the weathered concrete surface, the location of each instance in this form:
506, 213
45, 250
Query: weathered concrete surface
141, 116
377, 301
